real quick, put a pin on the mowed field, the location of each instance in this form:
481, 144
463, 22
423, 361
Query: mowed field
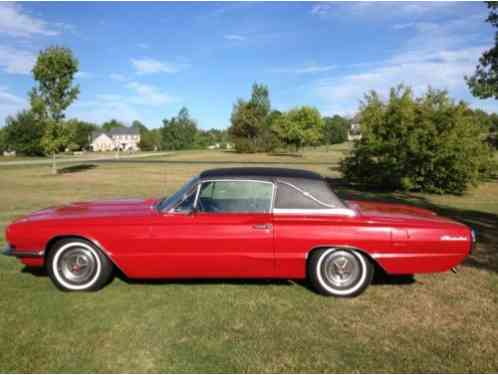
432, 323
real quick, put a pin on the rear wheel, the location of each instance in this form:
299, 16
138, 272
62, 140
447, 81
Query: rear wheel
339, 272
74, 264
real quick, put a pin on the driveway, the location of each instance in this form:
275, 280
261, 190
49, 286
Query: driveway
83, 159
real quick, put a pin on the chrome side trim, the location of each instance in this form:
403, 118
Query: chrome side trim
411, 255
10, 251
325, 211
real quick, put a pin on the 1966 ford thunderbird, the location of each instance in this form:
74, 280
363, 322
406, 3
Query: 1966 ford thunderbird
239, 223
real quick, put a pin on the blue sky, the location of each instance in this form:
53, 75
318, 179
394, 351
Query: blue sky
145, 61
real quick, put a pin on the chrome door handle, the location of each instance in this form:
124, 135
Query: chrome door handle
262, 226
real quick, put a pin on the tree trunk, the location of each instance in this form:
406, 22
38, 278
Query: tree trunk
54, 166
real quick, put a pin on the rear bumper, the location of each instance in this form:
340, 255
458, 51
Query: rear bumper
473, 235
11, 251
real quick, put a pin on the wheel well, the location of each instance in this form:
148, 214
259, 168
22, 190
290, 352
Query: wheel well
54, 240
377, 266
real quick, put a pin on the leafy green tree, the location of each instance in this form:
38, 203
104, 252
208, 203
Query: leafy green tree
150, 140
54, 92
3, 144
23, 133
335, 129
112, 124
483, 119
429, 144
299, 127
249, 125
79, 133
147, 137
484, 82
139, 126
179, 132
493, 127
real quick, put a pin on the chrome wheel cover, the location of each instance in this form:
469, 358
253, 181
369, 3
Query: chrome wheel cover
77, 265
341, 269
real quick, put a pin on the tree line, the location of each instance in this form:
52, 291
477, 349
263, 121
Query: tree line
256, 127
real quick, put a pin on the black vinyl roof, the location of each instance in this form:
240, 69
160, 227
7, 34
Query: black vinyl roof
260, 172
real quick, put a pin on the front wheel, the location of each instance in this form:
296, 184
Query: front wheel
339, 272
74, 264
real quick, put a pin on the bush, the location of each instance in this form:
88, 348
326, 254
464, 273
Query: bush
425, 144
335, 129
23, 133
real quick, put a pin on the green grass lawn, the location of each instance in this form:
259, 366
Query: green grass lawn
437, 323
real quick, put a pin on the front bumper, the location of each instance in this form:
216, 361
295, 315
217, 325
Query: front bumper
10, 250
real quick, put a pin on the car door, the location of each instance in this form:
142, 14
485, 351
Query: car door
228, 234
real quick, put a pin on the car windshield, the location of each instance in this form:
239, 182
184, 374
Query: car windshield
168, 202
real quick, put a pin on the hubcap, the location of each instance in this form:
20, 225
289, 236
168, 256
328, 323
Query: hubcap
341, 269
77, 265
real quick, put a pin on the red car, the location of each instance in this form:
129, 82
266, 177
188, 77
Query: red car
239, 223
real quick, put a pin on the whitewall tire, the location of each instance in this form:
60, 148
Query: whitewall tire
339, 272
74, 264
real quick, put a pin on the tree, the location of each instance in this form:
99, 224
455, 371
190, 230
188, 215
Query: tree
139, 126
249, 126
23, 133
335, 129
179, 132
3, 144
79, 133
54, 92
112, 124
299, 127
429, 144
484, 82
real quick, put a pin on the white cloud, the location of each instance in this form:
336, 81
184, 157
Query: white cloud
148, 95
125, 108
16, 61
84, 75
306, 69
388, 9
14, 21
9, 103
235, 37
149, 66
437, 55
117, 77
402, 26
104, 108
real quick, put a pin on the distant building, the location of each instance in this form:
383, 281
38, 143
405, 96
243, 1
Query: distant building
354, 132
227, 146
122, 139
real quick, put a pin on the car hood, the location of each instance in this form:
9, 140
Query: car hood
399, 212
104, 208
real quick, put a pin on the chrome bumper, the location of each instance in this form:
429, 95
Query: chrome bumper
11, 251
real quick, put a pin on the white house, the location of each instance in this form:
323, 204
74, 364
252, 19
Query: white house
123, 139
354, 132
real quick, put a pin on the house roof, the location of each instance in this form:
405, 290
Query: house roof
356, 119
116, 131
124, 131
97, 133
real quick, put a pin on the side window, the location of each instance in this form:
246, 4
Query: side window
288, 197
187, 204
235, 196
